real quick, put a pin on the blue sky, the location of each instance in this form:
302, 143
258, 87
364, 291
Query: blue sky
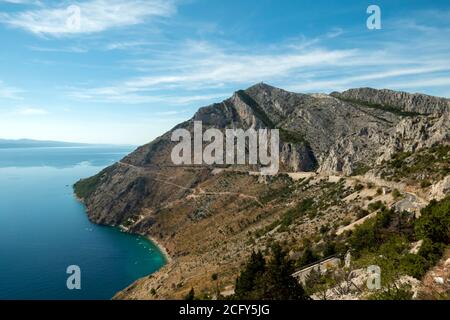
132, 69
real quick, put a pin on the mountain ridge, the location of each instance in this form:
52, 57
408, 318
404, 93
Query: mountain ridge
196, 212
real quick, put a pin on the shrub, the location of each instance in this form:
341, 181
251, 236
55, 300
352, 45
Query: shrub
396, 194
425, 184
308, 257
374, 206
191, 295
434, 222
269, 280
393, 293
361, 213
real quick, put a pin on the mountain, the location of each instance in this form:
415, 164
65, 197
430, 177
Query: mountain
27, 143
339, 154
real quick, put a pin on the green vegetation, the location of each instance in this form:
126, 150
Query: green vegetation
191, 295
385, 241
293, 137
434, 222
395, 110
420, 167
360, 169
269, 279
85, 187
256, 109
308, 257
396, 194
279, 193
285, 135
393, 293
299, 210
375, 206
361, 213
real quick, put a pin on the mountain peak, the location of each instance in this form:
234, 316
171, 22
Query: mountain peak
262, 87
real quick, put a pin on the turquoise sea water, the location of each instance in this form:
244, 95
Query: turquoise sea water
43, 229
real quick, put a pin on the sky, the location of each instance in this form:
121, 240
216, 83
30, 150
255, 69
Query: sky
126, 71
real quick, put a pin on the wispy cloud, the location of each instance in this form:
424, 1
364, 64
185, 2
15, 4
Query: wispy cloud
95, 16
34, 2
201, 71
31, 111
203, 66
8, 92
72, 49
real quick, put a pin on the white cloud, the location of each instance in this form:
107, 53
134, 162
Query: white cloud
200, 71
201, 66
342, 83
95, 16
7, 92
35, 2
423, 83
72, 49
29, 111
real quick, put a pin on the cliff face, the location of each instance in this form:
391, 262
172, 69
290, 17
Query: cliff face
198, 211
402, 101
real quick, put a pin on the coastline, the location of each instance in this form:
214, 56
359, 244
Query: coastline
161, 248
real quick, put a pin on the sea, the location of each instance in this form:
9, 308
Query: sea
44, 230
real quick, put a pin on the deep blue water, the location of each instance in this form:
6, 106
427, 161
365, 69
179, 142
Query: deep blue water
43, 229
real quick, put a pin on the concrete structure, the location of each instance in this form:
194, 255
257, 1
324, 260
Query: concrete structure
321, 266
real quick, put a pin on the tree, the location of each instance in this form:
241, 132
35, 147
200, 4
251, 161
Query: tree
190, 296
307, 257
434, 222
278, 281
254, 269
271, 280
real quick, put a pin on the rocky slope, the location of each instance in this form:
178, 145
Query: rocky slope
209, 219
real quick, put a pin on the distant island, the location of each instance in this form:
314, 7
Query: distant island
28, 143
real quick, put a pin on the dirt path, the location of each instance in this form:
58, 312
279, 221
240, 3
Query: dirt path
196, 192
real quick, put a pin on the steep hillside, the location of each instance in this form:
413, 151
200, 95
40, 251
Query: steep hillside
337, 156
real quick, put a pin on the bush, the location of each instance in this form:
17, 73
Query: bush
362, 213
368, 236
393, 293
86, 187
434, 222
269, 280
425, 184
308, 257
374, 206
363, 237
414, 265
396, 194
292, 214
190, 296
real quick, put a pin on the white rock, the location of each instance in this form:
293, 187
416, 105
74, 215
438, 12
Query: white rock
439, 280
447, 262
